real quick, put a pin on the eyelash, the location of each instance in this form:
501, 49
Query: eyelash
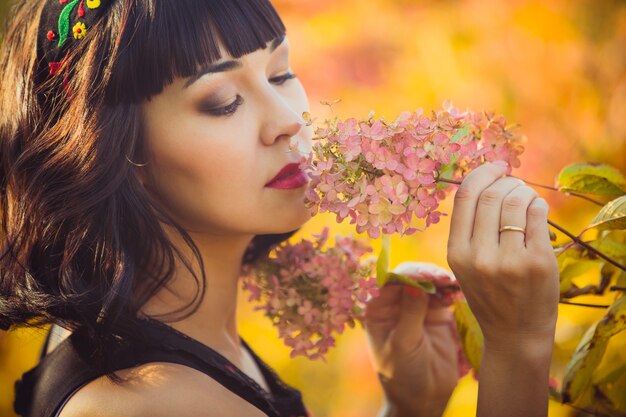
231, 108
281, 79
226, 110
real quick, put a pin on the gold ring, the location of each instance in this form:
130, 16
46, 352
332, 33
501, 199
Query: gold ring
513, 229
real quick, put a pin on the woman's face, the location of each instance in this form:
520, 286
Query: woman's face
215, 141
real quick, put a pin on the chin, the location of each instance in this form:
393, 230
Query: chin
288, 221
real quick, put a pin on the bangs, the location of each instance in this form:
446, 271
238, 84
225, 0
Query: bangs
163, 39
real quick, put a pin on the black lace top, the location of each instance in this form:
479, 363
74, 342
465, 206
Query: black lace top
43, 390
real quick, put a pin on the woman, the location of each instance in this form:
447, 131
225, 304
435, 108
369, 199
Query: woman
141, 142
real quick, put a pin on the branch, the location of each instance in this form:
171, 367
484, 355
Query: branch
586, 290
547, 187
583, 304
575, 194
595, 413
587, 246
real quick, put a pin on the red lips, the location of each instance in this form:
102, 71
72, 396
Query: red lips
290, 177
287, 171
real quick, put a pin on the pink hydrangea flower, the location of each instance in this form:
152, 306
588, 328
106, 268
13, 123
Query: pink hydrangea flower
380, 174
311, 293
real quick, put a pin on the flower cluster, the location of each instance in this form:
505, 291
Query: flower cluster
380, 174
310, 293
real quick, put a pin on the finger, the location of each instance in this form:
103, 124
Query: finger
465, 200
388, 296
442, 299
514, 208
381, 313
439, 276
537, 232
437, 315
409, 331
487, 222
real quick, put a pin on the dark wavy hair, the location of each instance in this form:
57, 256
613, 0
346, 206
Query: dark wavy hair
83, 244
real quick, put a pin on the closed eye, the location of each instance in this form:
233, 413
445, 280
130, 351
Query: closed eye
225, 110
281, 79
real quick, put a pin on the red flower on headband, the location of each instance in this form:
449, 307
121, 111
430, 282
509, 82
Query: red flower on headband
54, 67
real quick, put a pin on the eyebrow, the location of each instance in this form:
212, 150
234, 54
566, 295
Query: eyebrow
227, 65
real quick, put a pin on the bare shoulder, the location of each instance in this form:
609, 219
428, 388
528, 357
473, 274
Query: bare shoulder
158, 389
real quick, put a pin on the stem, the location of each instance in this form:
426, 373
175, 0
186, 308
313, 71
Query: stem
573, 193
443, 288
617, 288
448, 181
583, 304
565, 232
566, 192
588, 411
587, 246
589, 289
368, 171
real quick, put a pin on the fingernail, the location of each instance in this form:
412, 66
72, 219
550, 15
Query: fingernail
542, 201
413, 291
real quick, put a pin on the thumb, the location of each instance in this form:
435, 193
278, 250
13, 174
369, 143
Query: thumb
409, 331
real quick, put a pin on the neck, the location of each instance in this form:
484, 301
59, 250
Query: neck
214, 322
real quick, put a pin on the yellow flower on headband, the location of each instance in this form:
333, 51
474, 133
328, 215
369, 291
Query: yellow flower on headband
93, 4
80, 30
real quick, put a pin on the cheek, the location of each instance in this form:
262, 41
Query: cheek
203, 177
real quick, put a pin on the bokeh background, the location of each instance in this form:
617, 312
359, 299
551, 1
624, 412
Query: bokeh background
558, 68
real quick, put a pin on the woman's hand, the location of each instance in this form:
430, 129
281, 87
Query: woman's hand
511, 282
413, 344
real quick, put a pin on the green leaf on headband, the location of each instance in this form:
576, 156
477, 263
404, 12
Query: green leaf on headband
64, 21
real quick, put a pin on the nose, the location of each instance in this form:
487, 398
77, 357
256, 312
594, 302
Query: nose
281, 119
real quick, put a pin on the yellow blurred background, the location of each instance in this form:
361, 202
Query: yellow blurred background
555, 67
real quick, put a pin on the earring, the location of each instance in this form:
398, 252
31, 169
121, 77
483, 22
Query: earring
136, 164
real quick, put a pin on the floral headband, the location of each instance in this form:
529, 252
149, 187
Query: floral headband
63, 24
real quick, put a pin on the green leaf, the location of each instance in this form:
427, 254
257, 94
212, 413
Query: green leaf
611, 216
64, 22
461, 133
611, 248
620, 281
382, 265
612, 376
609, 390
571, 265
590, 350
590, 178
447, 171
571, 269
469, 333
395, 278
